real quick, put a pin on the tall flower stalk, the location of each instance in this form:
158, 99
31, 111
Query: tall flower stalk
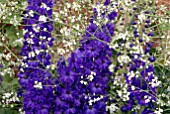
83, 79
134, 83
34, 77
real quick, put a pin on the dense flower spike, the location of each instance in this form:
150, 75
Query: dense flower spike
82, 85
85, 78
142, 86
34, 78
134, 66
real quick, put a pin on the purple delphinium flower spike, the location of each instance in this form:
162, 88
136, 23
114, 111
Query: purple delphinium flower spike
82, 86
35, 81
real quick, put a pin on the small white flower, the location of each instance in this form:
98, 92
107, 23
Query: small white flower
45, 29
43, 5
37, 51
31, 13
133, 87
159, 111
147, 100
112, 108
43, 18
111, 68
142, 17
38, 85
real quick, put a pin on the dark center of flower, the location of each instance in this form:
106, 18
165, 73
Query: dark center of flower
73, 60
103, 61
67, 73
92, 49
67, 92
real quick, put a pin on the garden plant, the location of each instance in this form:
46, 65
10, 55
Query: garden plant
84, 57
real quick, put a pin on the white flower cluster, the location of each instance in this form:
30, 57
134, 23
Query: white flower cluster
51, 66
133, 74
78, 14
91, 101
163, 99
38, 85
112, 108
118, 79
73, 19
137, 49
17, 42
42, 18
147, 98
88, 77
158, 111
65, 31
91, 76
111, 67
146, 37
165, 49
9, 12
44, 6
123, 59
7, 70
121, 88
65, 47
124, 94
155, 82
8, 99
163, 8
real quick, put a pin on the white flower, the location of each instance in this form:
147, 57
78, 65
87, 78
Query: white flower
124, 59
43, 18
111, 108
31, 13
159, 111
111, 67
90, 77
38, 85
37, 51
133, 87
43, 5
31, 54
142, 17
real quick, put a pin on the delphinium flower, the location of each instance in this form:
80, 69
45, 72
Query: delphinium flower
134, 80
35, 77
67, 95
82, 83
140, 79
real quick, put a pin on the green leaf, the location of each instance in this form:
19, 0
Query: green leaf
165, 26
3, 0
8, 111
11, 33
7, 85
